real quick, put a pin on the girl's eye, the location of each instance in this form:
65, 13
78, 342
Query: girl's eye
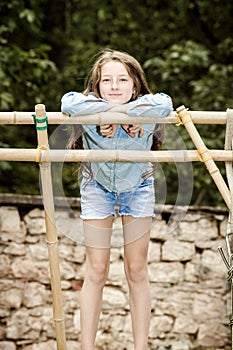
110, 81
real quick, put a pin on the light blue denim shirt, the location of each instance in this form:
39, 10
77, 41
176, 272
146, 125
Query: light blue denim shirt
119, 176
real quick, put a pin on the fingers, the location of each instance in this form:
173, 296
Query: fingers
132, 130
141, 132
108, 130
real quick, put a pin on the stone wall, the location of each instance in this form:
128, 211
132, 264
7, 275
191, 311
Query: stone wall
190, 293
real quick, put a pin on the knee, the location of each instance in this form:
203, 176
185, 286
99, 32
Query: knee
97, 274
136, 272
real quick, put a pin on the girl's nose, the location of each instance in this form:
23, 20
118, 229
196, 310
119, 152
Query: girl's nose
114, 83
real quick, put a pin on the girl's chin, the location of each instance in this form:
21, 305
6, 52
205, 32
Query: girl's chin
117, 101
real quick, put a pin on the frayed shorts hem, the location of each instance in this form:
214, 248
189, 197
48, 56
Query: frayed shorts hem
114, 216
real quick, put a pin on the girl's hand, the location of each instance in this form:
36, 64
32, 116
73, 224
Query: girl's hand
133, 129
108, 130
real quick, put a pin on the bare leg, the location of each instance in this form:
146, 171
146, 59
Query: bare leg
97, 267
135, 262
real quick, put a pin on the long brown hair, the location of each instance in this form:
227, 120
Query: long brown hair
141, 88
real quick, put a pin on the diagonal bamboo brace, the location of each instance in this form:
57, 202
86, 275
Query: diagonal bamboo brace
51, 231
185, 118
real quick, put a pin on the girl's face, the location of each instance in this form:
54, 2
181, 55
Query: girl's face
116, 85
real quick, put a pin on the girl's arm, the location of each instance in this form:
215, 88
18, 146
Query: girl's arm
149, 105
79, 104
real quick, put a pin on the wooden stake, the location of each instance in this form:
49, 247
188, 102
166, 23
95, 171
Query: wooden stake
51, 232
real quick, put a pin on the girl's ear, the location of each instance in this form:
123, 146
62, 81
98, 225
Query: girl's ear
134, 93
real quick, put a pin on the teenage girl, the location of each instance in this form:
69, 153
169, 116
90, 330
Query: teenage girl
117, 83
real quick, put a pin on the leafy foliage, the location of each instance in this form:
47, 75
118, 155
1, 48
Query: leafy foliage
47, 48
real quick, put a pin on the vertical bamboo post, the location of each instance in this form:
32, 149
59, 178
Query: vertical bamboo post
205, 155
51, 232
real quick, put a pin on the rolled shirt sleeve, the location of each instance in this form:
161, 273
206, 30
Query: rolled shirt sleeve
158, 105
77, 103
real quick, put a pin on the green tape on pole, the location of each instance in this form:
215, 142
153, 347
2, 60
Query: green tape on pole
39, 121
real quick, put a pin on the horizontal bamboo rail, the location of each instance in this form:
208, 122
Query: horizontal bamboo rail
198, 117
44, 155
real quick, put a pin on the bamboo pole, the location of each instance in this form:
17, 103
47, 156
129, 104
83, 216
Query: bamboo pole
229, 174
41, 155
51, 232
205, 155
198, 117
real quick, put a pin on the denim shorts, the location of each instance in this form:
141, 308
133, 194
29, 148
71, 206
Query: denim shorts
99, 203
